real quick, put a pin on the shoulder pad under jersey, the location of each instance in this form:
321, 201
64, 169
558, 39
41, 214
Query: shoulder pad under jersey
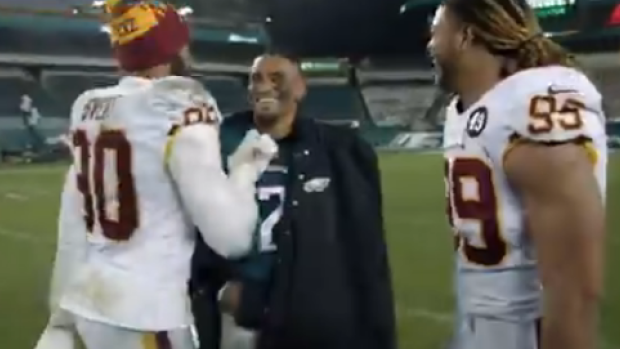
552, 104
183, 100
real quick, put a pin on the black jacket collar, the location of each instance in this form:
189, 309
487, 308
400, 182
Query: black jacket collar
303, 127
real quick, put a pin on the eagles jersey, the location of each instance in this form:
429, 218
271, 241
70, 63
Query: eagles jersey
496, 272
270, 194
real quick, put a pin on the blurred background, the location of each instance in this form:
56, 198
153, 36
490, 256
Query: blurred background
365, 60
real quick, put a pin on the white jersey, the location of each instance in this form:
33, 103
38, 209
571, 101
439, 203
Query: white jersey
139, 236
496, 266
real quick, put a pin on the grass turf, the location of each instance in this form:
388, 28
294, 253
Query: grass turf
420, 250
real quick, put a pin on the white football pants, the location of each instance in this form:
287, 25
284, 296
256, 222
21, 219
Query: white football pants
96, 335
486, 333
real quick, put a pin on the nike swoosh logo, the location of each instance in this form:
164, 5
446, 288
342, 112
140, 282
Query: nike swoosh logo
556, 91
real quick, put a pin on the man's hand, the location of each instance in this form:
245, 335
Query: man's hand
229, 297
253, 155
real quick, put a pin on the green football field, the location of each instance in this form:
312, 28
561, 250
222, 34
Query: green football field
420, 248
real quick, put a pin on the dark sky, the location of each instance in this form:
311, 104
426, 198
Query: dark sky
357, 28
348, 27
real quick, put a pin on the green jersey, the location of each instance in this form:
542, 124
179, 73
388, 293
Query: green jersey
270, 195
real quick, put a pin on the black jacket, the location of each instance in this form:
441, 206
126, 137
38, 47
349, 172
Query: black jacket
331, 285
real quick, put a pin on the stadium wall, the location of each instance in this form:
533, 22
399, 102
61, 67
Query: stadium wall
420, 141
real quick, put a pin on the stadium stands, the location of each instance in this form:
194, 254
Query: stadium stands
230, 93
608, 81
330, 100
389, 105
64, 87
382, 110
14, 84
39, 4
333, 102
397, 104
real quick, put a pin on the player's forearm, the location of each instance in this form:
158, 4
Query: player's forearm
223, 208
571, 302
569, 320
571, 272
571, 309
224, 213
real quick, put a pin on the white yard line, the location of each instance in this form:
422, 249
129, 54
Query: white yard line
421, 313
32, 170
25, 194
16, 196
20, 236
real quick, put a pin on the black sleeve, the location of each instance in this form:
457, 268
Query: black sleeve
362, 230
207, 317
366, 158
375, 280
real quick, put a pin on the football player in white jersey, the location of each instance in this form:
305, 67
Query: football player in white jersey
146, 171
526, 157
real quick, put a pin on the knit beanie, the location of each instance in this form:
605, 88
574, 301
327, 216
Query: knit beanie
145, 34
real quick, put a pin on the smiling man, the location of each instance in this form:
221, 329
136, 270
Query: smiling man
525, 153
318, 276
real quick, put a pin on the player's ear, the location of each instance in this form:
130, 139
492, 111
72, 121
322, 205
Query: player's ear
300, 88
466, 37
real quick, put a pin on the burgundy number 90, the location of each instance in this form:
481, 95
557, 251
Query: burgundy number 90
125, 222
482, 207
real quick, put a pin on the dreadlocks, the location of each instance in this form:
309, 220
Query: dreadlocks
510, 28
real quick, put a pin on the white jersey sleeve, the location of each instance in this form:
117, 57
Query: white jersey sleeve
72, 234
561, 106
77, 109
224, 211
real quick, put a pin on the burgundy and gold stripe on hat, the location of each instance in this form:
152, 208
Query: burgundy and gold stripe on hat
144, 33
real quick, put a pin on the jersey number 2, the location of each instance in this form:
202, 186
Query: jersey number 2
111, 203
479, 206
265, 194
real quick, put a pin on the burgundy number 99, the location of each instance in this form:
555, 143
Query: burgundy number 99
125, 221
481, 207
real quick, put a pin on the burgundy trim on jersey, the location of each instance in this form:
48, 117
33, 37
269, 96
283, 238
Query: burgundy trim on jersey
163, 340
